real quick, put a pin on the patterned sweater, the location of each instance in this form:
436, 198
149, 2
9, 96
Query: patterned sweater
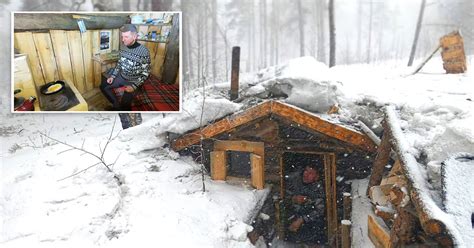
134, 64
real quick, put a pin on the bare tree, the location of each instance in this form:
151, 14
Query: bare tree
417, 33
300, 26
332, 35
321, 10
214, 40
161, 4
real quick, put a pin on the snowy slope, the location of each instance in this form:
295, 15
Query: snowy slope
160, 201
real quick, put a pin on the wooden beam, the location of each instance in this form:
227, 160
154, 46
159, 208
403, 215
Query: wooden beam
222, 126
347, 204
381, 160
49, 21
318, 124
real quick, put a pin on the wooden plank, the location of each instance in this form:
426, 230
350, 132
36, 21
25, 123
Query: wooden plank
318, 124
257, 171
61, 50
159, 51
86, 39
396, 169
77, 60
96, 50
218, 165
46, 56
381, 160
115, 39
378, 232
25, 44
222, 126
47, 21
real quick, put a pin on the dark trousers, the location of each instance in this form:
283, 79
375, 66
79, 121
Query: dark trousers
107, 89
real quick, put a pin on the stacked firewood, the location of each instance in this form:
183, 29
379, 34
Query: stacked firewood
401, 216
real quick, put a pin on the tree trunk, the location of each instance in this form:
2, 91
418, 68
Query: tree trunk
277, 26
214, 40
265, 34
417, 33
161, 5
321, 31
369, 44
332, 35
126, 5
301, 26
359, 32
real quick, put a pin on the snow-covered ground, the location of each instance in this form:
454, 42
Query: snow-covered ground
159, 200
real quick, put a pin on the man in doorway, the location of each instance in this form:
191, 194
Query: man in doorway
132, 69
306, 211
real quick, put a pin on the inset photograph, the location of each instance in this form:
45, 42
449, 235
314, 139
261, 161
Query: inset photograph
96, 62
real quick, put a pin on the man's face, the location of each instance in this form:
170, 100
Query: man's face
128, 38
310, 175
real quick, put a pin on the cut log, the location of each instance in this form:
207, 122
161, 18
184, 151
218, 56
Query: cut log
396, 169
386, 213
404, 228
381, 160
432, 226
399, 180
378, 232
399, 196
377, 196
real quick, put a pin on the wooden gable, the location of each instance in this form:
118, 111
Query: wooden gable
283, 111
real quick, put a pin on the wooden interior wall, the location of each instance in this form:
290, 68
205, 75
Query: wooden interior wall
62, 55
67, 55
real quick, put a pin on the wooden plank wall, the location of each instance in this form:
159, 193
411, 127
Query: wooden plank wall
63, 55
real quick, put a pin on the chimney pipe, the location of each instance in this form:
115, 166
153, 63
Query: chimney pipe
234, 80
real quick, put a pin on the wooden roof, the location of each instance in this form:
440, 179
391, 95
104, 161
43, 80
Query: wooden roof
282, 110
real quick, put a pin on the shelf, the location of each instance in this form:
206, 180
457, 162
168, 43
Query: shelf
156, 41
158, 24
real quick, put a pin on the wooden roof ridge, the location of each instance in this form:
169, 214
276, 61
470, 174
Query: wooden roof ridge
282, 110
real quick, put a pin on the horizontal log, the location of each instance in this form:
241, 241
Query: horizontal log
432, 226
49, 21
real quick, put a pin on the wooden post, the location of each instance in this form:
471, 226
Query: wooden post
346, 233
218, 165
234, 80
257, 171
347, 203
382, 158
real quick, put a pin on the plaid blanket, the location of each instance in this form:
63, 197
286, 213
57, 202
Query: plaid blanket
154, 96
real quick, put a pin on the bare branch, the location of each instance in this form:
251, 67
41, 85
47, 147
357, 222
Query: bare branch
79, 172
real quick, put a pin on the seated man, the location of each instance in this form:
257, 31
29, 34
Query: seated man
132, 69
306, 211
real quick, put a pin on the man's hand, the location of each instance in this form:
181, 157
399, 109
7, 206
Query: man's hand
296, 224
110, 80
129, 89
299, 199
